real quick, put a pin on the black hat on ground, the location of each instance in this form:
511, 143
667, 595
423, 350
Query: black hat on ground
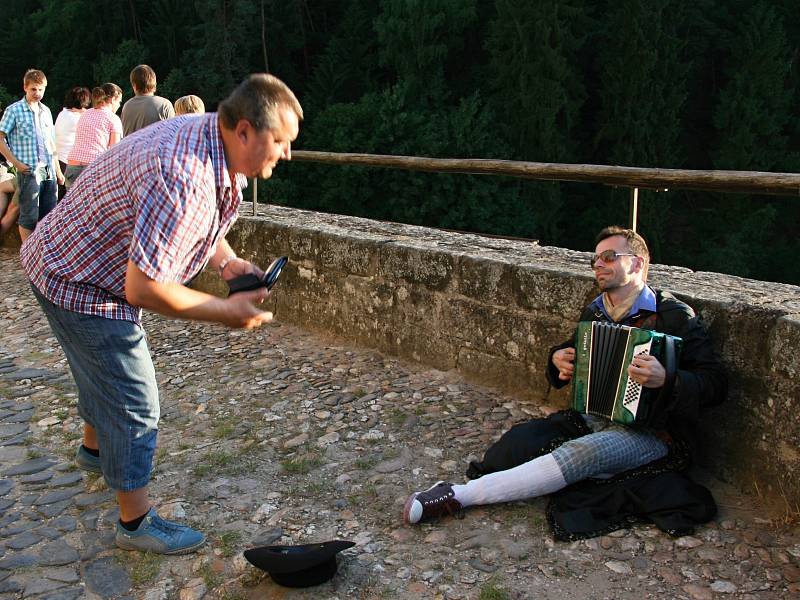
298, 566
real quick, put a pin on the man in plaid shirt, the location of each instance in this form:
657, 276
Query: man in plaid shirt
142, 220
28, 141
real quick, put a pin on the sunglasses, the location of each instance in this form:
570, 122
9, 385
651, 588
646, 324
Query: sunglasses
608, 256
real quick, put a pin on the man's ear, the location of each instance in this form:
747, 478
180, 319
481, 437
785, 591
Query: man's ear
640, 263
242, 130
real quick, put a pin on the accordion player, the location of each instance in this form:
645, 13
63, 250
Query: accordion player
601, 385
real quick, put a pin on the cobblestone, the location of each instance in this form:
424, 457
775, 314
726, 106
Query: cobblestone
284, 436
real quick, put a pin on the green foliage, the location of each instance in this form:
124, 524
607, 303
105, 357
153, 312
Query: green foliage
116, 65
176, 84
346, 67
535, 77
301, 465
665, 83
643, 78
389, 123
754, 105
419, 37
144, 567
5, 97
643, 84
492, 590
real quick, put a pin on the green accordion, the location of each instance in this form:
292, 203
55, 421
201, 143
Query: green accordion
600, 383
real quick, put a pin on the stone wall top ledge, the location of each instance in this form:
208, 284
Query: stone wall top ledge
705, 287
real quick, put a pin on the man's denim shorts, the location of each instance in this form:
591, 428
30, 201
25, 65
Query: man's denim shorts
36, 199
117, 391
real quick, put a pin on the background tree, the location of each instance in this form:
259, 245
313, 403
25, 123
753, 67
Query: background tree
752, 118
536, 84
642, 87
663, 83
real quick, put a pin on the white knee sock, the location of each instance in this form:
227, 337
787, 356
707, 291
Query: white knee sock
534, 478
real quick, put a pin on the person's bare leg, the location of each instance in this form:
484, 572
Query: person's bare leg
5, 201
9, 219
90, 437
24, 233
133, 504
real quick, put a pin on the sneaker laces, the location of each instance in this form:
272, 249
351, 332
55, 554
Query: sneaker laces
165, 526
437, 505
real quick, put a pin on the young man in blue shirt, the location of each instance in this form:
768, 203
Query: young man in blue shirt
27, 140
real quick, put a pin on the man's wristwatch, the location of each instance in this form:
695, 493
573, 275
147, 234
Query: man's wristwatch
224, 263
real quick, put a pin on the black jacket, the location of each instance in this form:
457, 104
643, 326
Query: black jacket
701, 380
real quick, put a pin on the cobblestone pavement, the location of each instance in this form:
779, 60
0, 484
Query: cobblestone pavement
280, 436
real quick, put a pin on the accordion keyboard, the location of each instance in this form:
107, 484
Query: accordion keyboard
633, 390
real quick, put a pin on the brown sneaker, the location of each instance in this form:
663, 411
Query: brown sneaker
437, 501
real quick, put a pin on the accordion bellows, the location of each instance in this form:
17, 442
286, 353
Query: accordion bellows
600, 384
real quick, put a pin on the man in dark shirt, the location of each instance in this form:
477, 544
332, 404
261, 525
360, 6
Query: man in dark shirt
145, 108
545, 455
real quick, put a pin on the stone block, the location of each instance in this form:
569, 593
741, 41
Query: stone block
486, 280
346, 256
416, 264
551, 291
783, 346
491, 370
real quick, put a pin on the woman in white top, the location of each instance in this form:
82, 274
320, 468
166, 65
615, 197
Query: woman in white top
98, 129
76, 101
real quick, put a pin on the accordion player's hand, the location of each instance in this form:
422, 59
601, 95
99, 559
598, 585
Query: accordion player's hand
564, 361
647, 371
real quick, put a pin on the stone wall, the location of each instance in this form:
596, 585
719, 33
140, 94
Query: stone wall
491, 308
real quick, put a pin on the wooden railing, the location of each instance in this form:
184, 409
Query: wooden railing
635, 178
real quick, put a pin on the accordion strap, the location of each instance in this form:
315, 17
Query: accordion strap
671, 371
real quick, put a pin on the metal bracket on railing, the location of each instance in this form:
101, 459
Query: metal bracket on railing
633, 210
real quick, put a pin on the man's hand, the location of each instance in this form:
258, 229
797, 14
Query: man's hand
646, 370
21, 167
564, 361
176, 300
60, 178
242, 312
238, 267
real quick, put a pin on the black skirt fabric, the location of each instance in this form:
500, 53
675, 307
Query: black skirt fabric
672, 501
657, 492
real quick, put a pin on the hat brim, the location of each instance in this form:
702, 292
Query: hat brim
298, 566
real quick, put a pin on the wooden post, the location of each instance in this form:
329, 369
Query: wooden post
633, 212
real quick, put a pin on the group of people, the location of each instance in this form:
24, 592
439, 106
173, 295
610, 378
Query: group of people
48, 157
167, 199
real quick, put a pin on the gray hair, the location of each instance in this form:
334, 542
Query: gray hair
258, 100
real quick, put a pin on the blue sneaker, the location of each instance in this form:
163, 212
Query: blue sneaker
86, 461
159, 536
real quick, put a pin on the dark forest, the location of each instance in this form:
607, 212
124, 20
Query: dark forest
702, 84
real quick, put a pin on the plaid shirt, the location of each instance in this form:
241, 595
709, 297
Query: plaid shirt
92, 134
161, 198
19, 125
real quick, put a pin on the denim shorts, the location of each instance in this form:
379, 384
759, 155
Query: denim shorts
37, 197
71, 174
117, 391
611, 448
